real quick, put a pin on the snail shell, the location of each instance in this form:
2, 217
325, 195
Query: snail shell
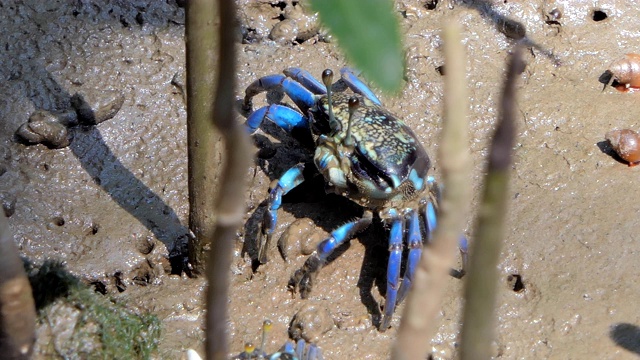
626, 71
626, 143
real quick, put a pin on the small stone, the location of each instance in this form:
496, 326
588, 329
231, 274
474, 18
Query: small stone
145, 244
94, 108
304, 236
45, 128
179, 81
310, 322
284, 31
67, 117
8, 204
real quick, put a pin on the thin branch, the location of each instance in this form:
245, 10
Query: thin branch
419, 323
482, 281
230, 203
204, 142
17, 308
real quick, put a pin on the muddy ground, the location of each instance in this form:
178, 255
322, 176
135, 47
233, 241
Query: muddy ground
113, 205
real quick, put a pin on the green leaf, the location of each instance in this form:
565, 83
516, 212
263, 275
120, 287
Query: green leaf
368, 32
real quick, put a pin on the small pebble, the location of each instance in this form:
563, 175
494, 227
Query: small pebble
310, 322
44, 127
304, 236
96, 107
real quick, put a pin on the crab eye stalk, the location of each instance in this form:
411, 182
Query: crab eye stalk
354, 103
266, 327
249, 348
327, 79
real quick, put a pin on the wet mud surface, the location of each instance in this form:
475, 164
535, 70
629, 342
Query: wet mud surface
113, 204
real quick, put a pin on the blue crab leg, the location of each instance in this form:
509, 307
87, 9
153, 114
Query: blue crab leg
300, 348
430, 219
357, 85
283, 116
287, 349
291, 178
430, 225
393, 268
314, 353
307, 80
463, 245
303, 98
430, 216
414, 242
304, 278
296, 352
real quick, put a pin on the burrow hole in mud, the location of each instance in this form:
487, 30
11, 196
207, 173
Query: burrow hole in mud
99, 287
598, 15
119, 281
515, 282
58, 221
93, 229
431, 4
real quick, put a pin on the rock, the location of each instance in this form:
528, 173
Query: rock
310, 322
96, 107
305, 237
45, 127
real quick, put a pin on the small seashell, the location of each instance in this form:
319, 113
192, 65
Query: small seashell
625, 73
626, 143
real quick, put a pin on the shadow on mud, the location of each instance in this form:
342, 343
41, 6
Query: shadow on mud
627, 336
130, 193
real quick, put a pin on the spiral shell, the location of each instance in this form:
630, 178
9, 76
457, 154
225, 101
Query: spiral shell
626, 143
626, 72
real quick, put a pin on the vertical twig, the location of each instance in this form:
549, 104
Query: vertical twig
230, 203
419, 323
17, 308
482, 279
204, 143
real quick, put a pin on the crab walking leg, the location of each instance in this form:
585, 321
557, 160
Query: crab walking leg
414, 243
291, 178
313, 353
307, 80
304, 278
283, 116
300, 348
430, 219
287, 349
393, 268
297, 352
463, 245
357, 85
429, 212
303, 98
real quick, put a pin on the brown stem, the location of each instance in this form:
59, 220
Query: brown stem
204, 142
17, 308
419, 323
230, 202
482, 280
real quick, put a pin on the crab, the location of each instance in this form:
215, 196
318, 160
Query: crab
300, 350
366, 154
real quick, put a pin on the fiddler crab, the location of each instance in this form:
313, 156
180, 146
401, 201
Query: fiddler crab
365, 154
